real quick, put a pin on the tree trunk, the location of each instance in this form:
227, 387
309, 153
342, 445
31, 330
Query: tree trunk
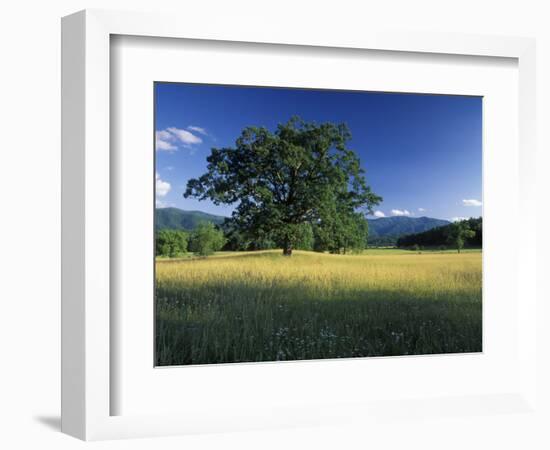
287, 249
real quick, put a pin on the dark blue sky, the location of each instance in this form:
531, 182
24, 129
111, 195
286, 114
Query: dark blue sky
422, 153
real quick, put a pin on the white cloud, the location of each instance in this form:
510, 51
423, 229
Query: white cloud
458, 219
471, 202
169, 138
164, 135
185, 137
399, 212
379, 214
162, 141
422, 209
163, 145
199, 130
161, 187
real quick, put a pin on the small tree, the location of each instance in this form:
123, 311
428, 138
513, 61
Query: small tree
355, 231
171, 243
458, 233
206, 239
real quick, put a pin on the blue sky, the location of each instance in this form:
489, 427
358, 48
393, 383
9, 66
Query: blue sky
421, 153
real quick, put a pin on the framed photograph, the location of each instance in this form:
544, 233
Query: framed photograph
276, 245
270, 228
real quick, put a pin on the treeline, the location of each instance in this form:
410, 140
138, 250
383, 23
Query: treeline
345, 235
204, 240
383, 241
340, 237
465, 233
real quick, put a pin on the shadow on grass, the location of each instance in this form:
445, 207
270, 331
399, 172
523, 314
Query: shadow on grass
233, 322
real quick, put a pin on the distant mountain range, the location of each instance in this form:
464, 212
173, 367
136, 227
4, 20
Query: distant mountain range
384, 229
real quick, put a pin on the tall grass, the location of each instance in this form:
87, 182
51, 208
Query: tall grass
264, 307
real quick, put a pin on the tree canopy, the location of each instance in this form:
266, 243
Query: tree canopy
302, 173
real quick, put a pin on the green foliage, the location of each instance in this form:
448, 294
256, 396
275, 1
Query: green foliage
206, 239
171, 243
303, 173
303, 238
458, 234
341, 233
241, 240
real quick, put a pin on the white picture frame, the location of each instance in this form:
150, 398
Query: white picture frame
87, 354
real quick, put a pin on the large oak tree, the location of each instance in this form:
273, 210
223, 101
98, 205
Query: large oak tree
303, 173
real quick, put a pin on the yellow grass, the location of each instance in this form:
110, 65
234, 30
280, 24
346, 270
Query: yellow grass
233, 305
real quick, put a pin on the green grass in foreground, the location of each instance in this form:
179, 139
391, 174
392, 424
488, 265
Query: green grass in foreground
261, 306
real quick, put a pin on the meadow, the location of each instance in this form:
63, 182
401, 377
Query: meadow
262, 306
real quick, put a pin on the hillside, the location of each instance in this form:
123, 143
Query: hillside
178, 219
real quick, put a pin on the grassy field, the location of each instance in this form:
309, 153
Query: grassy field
261, 306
